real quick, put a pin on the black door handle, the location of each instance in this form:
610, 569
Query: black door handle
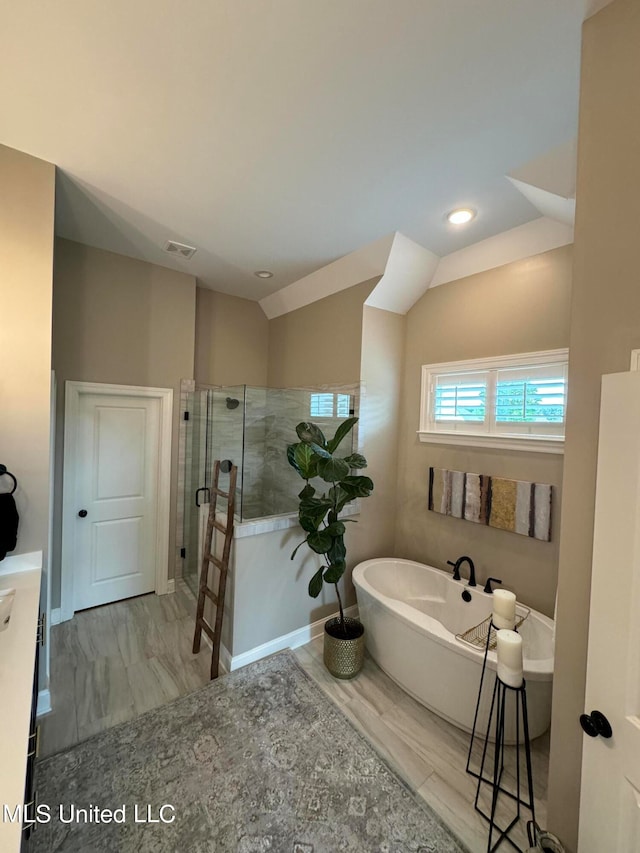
83, 513
203, 489
595, 724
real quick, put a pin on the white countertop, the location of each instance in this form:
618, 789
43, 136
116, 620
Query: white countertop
17, 658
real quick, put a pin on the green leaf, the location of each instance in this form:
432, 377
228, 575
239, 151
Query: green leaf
311, 434
320, 450
339, 497
307, 492
357, 487
334, 572
308, 523
312, 504
336, 528
333, 469
306, 461
312, 512
291, 457
297, 548
337, 553
320, 541
344, 429
356, 460
315, 584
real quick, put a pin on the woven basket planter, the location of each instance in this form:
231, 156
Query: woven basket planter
344, 657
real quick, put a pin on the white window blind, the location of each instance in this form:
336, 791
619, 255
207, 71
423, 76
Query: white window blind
531, 399
321, 406
459, 400
523, 396
327, 405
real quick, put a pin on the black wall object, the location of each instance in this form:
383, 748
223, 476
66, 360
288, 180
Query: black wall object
9, 517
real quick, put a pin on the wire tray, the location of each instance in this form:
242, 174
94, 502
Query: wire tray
477, 636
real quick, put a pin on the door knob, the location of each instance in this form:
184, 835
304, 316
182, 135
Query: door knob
83, 513
595, 724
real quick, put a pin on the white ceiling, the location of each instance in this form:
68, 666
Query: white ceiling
283, 134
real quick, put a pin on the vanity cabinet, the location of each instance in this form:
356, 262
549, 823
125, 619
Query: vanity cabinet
33, 744
19, 664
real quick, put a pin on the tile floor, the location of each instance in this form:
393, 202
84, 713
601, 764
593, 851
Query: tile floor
112, 663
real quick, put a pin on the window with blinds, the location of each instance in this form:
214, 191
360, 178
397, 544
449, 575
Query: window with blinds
521, 396
460, 398
329, 405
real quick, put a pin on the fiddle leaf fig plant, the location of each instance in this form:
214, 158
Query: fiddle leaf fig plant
313, 456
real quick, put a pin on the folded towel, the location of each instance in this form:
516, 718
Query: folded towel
9, 519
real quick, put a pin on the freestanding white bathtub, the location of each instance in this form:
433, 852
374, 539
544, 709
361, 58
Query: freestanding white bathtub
412, 613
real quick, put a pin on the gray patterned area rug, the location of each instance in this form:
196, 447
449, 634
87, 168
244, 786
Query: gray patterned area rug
259, 761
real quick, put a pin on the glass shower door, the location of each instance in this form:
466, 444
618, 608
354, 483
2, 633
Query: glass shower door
196, 494
215, 430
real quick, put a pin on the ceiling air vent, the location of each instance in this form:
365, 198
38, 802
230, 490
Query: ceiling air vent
180, 249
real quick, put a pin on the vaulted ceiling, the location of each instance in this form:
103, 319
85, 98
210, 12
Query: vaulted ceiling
283, 134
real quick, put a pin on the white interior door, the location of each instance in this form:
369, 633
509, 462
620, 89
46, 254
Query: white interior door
610, 797
116, 494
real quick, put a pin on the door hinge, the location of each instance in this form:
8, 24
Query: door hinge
183, 553
186, 416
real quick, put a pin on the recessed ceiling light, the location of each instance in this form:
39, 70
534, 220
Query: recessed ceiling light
263, 273
461, 216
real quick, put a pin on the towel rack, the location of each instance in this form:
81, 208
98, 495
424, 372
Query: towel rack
5, 473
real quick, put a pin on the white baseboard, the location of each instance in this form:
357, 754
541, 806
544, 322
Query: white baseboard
44, 702
56, 616
171, 585
287, 641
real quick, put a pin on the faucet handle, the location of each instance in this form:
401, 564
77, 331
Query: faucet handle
487, 586
456, 569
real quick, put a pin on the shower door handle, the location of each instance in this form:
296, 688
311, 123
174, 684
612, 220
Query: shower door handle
203, 489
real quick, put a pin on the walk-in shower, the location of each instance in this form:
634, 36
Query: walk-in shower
250, 427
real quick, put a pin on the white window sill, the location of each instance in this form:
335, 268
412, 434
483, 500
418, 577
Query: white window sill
528, 444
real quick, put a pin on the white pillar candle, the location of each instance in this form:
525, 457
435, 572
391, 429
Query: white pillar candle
510, 664
504, 609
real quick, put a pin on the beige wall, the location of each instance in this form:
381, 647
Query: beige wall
232, 340
26, 260
319, 344
520, 307
605, 327
123, 321
381, 375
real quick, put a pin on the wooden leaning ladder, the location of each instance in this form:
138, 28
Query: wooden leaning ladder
222, 564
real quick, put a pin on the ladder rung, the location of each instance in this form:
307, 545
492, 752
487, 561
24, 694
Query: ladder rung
214, 633
217, 491
207, 629
211, 595
216, 562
